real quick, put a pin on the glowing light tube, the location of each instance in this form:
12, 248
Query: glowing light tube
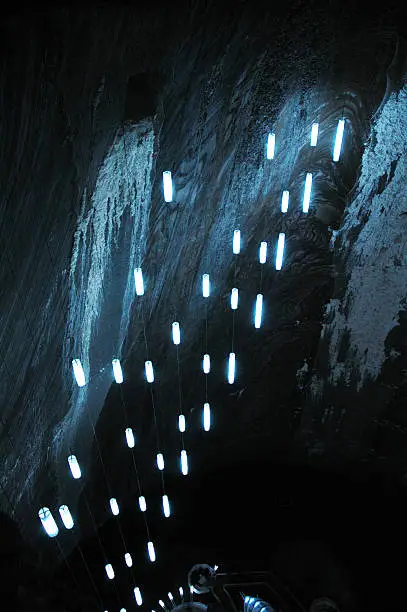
284, 201
307, 192
258, 311
206, 364
170, 597
176, 334
161, 603
234, 298
160, 461
130, 437
181, 423
206, 288
184, 462
206, 418
181, 591
271, 144
128, 559
78, 372
74, 467
48, 522
66, 516
109, 571
236, 242
166, 506
114, 506
142, 503
151, 552
314, 134
117, 371
338, 140
280, 251
263, 252
167, 186
149, 371
137, 595
138, 280
231, 368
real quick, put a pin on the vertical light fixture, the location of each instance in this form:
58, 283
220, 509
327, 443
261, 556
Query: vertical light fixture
181, 591
160, 461
206, 288
66, 517
78, 372
263, 252
167, 186
236, 242
151, 552
138, 281
149, 371
280, 251
184, 462
109, 571
114, 506
48, 522
130, 437
170, 597
206, 417
258, 311
128, 559
176, 334
181, 423
166, 506
314, 134
206, 364
142, 503
117, 371
338, 140
284, 201
234, 298
307, 192
231, 368
137, 595
74, 467
271, 145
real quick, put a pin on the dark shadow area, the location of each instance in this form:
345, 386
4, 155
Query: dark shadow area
141, 96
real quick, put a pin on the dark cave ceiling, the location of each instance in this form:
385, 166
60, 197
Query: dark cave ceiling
95, 104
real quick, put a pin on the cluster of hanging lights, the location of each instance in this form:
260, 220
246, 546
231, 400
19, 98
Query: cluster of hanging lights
48, 522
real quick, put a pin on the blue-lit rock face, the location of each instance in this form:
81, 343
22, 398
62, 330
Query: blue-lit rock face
96, 110
362, 347
109, 242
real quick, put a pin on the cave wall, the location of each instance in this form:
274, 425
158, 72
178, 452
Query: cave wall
222, 88
357, 386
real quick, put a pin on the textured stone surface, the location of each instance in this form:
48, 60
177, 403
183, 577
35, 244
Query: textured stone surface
81, 200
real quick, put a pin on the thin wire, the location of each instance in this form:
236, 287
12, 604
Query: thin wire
68, 565
90, 575
180, 393
107, 480
206, 348
156, 426
99, 542
135, 465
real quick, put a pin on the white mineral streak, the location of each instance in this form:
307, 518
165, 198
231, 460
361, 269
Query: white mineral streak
123, 187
